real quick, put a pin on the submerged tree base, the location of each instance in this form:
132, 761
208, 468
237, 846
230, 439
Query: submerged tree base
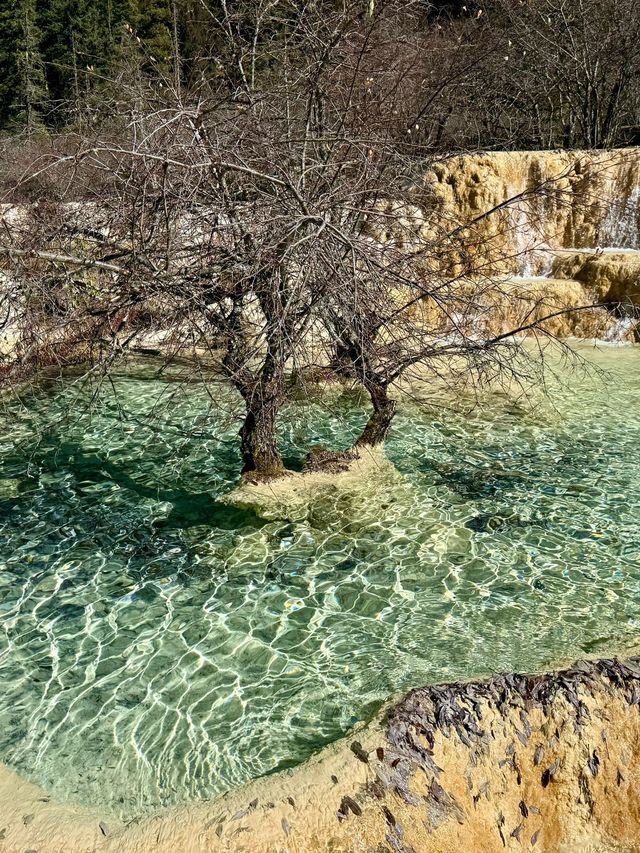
348, 473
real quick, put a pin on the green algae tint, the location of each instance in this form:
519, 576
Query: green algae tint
158, 646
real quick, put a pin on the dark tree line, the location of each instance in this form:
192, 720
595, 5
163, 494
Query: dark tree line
509, 73
58, 55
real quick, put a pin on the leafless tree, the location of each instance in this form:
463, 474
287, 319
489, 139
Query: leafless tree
266, 222
561, 73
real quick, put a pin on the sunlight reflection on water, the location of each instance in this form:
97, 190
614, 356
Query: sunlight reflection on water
159, 646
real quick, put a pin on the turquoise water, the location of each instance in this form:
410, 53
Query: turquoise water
157, 646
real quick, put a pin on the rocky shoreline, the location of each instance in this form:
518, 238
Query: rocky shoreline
545, 761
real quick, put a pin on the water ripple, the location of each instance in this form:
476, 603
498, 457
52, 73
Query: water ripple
158, 646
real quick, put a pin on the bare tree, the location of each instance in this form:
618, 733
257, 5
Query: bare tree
563, 72
266, 222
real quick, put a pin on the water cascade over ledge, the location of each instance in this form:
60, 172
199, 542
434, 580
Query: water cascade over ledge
562, 228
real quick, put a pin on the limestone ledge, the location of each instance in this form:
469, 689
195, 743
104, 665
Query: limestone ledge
546, 762
560, 304
613, 276
588, 200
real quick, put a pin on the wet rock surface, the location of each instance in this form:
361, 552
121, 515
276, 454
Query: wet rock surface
521, 760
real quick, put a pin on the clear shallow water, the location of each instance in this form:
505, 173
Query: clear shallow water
156, 646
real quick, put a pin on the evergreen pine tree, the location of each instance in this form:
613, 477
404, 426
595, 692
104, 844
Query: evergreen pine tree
32, 89
55, 53
74, 46
9, 35
154, 26
23, 90
114, 18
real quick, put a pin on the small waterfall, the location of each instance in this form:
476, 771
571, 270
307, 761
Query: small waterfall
604, 218
621, 226
521, 240
620, 329
532, 254
564, 224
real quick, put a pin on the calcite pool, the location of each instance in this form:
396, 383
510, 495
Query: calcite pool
157, 646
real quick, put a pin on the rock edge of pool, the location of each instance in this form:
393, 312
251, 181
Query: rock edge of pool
543, 761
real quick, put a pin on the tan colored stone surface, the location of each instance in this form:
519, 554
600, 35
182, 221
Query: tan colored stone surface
509, 303
613, 276
579, 189
30, 821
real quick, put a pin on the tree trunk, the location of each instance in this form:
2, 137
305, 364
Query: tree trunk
377, 426
261, 459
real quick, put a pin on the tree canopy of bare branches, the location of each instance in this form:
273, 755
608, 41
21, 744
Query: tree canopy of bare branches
264, 222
